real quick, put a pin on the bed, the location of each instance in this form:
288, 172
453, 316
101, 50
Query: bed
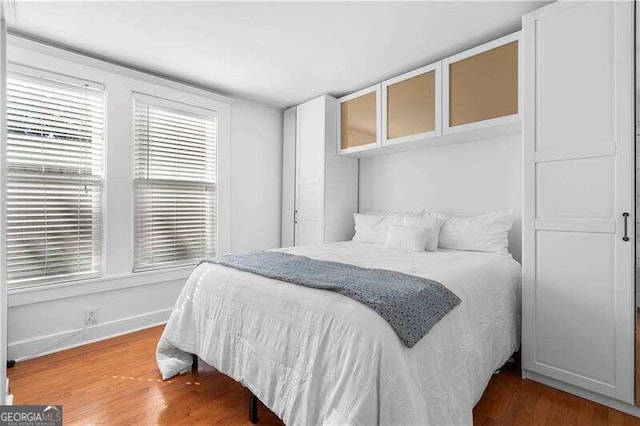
316, 357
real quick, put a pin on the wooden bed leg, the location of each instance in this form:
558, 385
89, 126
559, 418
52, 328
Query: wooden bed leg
253, 408
194, 364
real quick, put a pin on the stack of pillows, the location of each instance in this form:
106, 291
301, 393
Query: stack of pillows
426, 231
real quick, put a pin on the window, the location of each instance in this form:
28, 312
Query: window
175, 183
55, 140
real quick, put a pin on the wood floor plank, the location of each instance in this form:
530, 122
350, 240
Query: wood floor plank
116, 382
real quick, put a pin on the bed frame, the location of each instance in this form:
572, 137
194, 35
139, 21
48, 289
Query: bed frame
253, 400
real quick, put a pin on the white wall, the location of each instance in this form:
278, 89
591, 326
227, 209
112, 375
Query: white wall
249, 154
637, 180
4, 398
463, 179
256, 176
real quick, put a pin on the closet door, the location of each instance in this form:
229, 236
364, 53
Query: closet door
288, 176
310, 145
578, 296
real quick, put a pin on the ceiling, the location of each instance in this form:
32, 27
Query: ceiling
277, 53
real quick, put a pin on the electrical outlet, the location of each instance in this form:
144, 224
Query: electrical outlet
90, 316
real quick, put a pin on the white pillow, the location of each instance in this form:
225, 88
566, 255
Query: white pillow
431, 224
419, 213
409, 238
369, 228
489, 232
372, 228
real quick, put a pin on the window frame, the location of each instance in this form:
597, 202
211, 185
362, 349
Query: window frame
118, 237
34, 71
177, 106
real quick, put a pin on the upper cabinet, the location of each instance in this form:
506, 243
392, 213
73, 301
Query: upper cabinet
358, 123
470, 96
481, 86
411, 106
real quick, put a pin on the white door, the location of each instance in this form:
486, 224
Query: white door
310, 145
578, 310
288, 176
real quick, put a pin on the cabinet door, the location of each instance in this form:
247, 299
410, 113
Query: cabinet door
310, 147
358, 120
411, 106
481, 86
578, 290
288, 177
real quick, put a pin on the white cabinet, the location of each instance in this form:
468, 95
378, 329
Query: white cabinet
288, 176
578, 285
481, 87
359, 124
471, 96
320, 188
411, 108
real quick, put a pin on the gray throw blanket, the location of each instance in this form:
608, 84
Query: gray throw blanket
411, 305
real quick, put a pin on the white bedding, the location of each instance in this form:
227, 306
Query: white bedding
316, 357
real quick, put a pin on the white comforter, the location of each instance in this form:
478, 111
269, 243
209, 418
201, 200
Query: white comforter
316, 357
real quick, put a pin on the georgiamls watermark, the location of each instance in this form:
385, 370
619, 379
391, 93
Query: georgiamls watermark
31, 415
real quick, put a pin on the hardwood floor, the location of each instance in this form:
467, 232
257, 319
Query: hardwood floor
116, 382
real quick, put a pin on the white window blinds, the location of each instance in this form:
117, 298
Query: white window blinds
55, 138
175, 183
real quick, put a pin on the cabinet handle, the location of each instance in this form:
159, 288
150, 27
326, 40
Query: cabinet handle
625, 237
295, 216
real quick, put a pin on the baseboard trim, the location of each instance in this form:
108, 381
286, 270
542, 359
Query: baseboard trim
22, 349
583, 393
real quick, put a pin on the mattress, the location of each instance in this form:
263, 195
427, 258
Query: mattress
317, 357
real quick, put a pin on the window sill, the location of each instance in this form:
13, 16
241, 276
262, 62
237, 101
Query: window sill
45, 293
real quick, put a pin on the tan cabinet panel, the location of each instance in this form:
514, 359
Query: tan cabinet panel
358, 121
411, 106
484, 86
